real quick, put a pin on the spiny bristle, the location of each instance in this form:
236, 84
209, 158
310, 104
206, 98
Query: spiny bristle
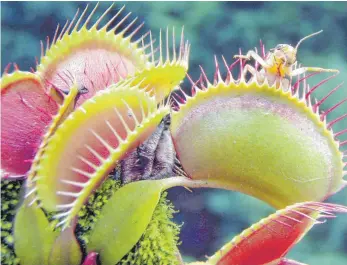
325, 211
102, 16
193, 85
148, 45
282, 222
319, 84
74, 26
62, 31
114, 17
262, 48
330, 124
177, 170
30, 192
229, 77
7, 68
296, 85
305, 215
204, 76
340, 133
320, 102
69, 194
290, 218
241, 76
165, 57
72, 21
75, 183
325, 113
217, 75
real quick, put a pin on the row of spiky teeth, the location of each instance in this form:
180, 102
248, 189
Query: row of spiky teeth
183, 49
71, 27
179, 55
303, 94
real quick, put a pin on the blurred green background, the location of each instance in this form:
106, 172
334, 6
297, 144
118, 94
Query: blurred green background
211, 218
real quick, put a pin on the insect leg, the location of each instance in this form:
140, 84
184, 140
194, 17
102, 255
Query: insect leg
250, 69
255, 56
302, 70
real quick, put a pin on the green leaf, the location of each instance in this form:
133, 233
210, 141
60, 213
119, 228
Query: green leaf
124, 219
66, 249
33, 235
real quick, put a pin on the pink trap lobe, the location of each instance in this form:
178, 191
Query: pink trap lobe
26, 112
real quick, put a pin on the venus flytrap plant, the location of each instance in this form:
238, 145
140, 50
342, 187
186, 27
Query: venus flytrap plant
259, 139
104, 151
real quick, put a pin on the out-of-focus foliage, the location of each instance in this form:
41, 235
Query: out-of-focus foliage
212, 218
10, 191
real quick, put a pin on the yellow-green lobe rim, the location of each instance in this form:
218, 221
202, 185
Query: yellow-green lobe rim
64, 110
72, 37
